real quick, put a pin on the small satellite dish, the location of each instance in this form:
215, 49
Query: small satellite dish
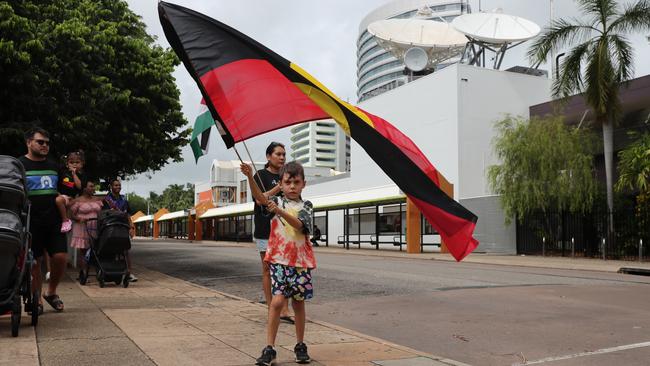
416, 59
438, 40
495, 28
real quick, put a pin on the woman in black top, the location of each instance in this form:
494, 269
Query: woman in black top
268, 180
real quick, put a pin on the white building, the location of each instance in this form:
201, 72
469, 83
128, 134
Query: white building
228, 186
377, 70
321, 144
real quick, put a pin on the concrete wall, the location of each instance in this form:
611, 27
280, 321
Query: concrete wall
486, 96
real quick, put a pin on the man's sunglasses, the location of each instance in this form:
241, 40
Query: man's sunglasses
43, 142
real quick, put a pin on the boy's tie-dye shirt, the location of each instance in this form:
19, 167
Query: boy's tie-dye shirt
288, 245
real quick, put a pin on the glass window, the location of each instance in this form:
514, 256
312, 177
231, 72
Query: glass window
243, 191
325, 142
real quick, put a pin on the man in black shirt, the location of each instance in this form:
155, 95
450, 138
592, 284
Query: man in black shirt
42, 180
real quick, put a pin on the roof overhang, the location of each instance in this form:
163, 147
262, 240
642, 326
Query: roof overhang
634, 95
173, 215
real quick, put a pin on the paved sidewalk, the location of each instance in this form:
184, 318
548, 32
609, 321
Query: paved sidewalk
161, 320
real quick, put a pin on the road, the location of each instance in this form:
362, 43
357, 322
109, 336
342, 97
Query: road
474, 313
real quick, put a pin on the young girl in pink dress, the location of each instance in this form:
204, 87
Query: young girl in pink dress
84, 207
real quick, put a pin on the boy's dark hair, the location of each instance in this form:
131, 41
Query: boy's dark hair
293, 169
29, 134
270, 149
111, 181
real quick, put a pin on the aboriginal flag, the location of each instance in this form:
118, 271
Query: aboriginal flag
250, 90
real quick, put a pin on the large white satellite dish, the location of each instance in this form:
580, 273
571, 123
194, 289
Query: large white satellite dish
438, 40
495, 28
494, 31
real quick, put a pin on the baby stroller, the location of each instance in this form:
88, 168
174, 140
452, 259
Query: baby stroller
15, 254
107, 253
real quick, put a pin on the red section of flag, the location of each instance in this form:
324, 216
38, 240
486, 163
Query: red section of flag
405, 144
454, 231
253, 97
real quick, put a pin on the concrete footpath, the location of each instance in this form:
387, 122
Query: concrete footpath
578, 263
583, 264
161, 320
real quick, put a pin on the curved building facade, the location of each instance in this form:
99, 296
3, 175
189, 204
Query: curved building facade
377, 70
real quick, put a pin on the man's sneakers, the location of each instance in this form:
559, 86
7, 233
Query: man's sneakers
66, 226
301, 353
132, 278
267, 357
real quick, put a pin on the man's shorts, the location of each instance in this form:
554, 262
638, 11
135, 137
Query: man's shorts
291, 282
261, 244
47, 236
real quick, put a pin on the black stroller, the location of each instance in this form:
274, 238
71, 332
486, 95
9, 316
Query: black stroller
107, 253
15, 254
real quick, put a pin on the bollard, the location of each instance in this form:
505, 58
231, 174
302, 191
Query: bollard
640, 250
573, 248
544, 246
603, 250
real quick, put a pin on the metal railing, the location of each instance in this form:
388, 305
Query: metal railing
586, 235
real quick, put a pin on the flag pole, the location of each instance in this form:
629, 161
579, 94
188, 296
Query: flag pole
261, 184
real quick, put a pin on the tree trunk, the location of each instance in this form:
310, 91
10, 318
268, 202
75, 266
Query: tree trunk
608, 149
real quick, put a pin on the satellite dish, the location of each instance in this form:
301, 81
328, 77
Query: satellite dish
438, 40
495, 28
496, 32
416, 59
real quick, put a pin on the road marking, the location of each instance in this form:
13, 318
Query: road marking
582, 354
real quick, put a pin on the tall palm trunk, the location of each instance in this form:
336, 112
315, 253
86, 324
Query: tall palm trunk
608, 150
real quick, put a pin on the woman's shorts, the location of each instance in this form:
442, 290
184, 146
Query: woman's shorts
291, 282
261, 244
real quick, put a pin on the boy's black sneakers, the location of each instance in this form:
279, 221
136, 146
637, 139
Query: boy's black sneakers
267, 357
301, 353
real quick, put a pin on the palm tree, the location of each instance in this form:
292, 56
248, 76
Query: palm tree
634, 166
600, 59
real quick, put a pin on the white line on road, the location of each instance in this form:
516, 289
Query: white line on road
582, 354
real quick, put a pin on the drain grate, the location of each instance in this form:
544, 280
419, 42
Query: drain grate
635, 271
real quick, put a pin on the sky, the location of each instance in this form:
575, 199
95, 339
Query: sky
320, 36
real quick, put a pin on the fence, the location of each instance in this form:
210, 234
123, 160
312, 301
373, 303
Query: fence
585, 235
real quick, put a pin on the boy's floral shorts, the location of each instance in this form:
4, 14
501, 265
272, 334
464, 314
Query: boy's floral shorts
291, 282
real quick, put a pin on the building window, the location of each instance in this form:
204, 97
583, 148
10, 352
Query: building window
299, 145
329, 151
325, 133
300, 153
243, 191
303, 160
324, 142
224, 195
329, 160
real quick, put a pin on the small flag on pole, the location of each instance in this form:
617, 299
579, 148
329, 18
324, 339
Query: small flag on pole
201, 129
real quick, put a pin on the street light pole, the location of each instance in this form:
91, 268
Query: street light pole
551, 15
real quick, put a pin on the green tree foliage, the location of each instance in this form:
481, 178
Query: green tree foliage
137, 203
174, 198
87, 71
600, 59
634, 166
545, 166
